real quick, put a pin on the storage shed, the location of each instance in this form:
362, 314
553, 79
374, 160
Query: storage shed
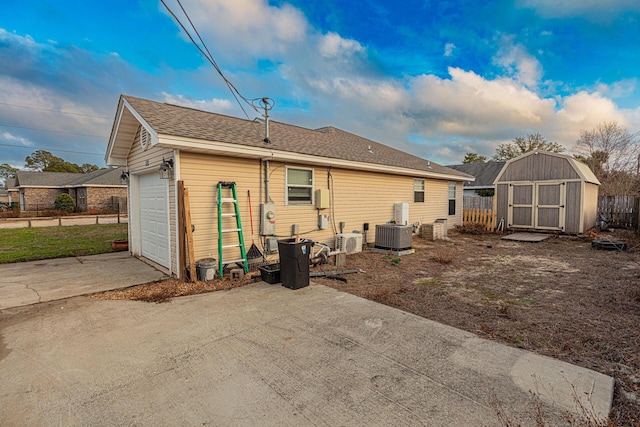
547, 191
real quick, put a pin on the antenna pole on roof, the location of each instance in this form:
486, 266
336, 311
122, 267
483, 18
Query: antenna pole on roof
266, 103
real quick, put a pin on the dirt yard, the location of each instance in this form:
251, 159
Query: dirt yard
559, 298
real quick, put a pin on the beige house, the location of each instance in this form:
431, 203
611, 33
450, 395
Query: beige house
547, 191
312, 181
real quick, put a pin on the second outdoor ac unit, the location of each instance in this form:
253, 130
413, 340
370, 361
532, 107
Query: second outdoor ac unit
349, 243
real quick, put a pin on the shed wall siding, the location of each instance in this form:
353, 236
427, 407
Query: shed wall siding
359, 197
539, 167
148, 161
573, 204
502, 202
590, 213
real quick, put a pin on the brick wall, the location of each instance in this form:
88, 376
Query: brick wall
40, 198
102, 197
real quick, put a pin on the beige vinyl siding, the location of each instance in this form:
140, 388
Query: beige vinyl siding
359, 197
148, 161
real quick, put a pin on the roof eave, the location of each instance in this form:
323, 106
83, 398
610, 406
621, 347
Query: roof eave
266, 153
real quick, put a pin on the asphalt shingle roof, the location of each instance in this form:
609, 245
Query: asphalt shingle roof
106, 177
167, 119
485, 173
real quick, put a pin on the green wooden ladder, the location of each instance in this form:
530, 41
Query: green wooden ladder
242, 262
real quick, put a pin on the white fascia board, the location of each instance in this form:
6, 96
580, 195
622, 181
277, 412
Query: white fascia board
245, 151
117, 161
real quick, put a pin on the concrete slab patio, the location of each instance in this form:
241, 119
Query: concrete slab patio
266, 355
27, 283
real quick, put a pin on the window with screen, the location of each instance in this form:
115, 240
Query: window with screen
299, 186
418, 190
452, 198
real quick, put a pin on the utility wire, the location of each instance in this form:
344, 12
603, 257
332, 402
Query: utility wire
207, 54
51, 149
54, 111
54, 131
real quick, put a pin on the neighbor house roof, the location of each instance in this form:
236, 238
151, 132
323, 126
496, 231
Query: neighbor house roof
485, 173
99, 178
193, 130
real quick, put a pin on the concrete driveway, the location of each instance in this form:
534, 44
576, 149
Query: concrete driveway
27, 283
266, 355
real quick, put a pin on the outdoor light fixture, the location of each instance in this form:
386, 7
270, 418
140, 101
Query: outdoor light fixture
124, 177
165, 168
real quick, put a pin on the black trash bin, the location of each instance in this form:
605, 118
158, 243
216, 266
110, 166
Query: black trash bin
294, 262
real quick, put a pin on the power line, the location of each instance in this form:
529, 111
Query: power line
54, 111
50, 149
207, 54
54, 131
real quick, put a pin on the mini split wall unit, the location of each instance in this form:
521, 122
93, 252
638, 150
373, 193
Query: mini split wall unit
546, 191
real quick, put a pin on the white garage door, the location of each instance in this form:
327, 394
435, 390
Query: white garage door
154, 218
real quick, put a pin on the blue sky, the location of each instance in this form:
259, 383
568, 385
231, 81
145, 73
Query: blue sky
434, 78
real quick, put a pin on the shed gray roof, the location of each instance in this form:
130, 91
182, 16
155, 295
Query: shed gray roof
327, 142
101, 177
485, 173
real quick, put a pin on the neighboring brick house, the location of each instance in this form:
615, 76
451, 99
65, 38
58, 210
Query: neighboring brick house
100, 190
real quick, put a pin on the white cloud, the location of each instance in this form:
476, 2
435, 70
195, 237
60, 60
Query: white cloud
216, 105
332, 46
241, 29
6, 136
448, 49
593, 9
617, 89
517, 62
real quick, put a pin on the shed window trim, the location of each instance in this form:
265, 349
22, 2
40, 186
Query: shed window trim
298, 187
452, 198
418, 190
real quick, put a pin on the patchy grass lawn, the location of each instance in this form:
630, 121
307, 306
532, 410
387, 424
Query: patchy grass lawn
29, 244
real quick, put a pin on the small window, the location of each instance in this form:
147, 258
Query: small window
418, 190
299, 186
452, 198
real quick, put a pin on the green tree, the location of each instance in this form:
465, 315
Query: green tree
42, 160
88, 167
522, 145
64, 202
7, 171
473, 158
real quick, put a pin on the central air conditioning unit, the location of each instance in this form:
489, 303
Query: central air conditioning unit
394, 237
349, 243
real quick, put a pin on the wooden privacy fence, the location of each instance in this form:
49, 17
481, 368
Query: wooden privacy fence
619, 211
477, 202
484, 217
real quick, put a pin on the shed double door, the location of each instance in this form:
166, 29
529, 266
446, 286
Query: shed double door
537, 205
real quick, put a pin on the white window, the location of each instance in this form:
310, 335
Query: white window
452, 198
299, 186
418, 190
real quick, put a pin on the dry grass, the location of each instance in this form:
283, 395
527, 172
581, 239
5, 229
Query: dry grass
445, 255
